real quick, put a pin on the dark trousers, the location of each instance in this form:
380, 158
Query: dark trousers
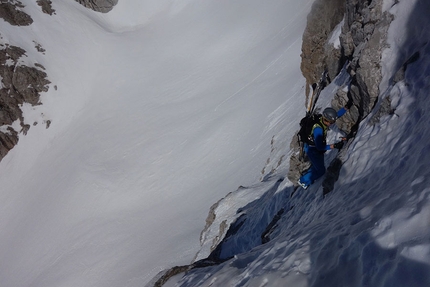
317, 168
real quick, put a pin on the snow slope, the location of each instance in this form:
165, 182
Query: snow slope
158, 109
373, 228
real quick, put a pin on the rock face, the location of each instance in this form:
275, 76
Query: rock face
19, 84
46, 6
365, 31
325, 15
362, 38
11, 13
103, 6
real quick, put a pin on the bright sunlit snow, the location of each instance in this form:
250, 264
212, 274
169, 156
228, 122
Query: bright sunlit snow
161, 108
159, 111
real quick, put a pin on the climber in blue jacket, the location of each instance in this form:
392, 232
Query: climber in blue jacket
318, 146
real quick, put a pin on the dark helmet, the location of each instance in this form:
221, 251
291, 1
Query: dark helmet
330, 114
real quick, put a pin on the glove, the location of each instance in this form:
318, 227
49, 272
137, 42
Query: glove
338, 145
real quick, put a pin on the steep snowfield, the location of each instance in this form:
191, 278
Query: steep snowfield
162, 108
373, 228
158, 110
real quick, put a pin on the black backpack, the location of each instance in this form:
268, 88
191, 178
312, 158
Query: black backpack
306, 125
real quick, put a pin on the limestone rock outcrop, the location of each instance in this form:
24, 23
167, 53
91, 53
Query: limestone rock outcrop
19, 83
103, 6
325, 15
361, 30
364, 29
11, 12
46, 6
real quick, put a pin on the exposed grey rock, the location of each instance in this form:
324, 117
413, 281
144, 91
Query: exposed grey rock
332, 60
383, 110
11, 52
325, 15
297, 166
362, 39
27, 83
209, 220
103, 6
357, 33
39, 48
11, 12
19, 84
347, 121
165, 275
368, 29
46, 6
369, 63
400, 74
347, 43
7, 141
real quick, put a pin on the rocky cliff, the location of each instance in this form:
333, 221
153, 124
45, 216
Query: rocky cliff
317, 53
360, 27
363, 30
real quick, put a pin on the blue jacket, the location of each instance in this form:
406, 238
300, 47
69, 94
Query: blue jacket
320, 133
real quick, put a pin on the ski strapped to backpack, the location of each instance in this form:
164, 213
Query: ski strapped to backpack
311, 117
317, 91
